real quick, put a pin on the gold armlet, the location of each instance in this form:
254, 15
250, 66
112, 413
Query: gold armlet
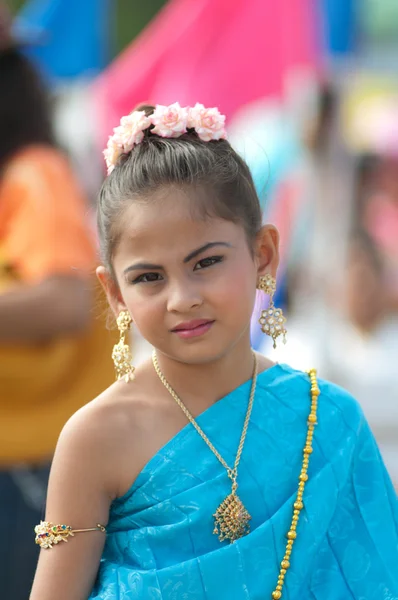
48, 534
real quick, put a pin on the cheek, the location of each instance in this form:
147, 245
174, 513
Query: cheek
236, 290
144, 308
149, 316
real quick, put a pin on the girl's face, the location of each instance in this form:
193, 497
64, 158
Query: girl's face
188, 284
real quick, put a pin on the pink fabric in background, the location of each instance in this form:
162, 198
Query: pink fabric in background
223, 53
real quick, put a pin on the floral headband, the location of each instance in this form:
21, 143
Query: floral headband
166, 121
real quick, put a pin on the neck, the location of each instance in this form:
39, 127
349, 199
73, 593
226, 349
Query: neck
203, 384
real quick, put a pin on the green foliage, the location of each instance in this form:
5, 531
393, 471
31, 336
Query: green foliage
131, 17
14, 5
379, 19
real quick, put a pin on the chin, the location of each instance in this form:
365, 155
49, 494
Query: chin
198, 353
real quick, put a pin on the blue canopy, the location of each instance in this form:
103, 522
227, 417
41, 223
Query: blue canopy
340, 24
73, 36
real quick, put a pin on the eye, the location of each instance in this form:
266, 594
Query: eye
147, 278
208, 262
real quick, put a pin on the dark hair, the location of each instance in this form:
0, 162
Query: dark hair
25, 116
187, 161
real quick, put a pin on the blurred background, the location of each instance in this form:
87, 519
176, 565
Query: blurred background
310, 90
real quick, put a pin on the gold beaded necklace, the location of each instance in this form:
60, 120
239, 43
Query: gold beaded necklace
303, 478
231, 517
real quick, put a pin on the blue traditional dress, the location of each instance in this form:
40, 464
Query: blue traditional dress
160, 542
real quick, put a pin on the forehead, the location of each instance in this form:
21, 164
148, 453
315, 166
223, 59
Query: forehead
168, 222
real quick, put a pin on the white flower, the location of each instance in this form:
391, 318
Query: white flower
129, 133
170, 121
111, 154
131, 129
207, 122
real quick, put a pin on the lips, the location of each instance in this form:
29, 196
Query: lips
193, 328
189, 325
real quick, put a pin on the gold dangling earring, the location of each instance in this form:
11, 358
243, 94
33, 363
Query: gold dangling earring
121, 354
272, 320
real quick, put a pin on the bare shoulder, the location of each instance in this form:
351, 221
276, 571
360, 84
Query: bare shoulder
116, 412
113, 430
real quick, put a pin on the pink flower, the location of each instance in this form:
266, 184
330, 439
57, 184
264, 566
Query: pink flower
131, 129
170, 121
111, 154
207, 122
129, 133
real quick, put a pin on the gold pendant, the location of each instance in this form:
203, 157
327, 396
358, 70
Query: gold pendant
231, 519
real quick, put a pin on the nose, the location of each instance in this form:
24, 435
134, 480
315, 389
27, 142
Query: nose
183, 297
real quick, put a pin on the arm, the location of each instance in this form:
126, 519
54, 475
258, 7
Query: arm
48, 247
57, 306
82, 486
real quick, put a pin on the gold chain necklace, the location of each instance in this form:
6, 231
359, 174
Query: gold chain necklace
231, 517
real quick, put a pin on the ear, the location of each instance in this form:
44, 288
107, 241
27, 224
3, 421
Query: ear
267, 250
111, 290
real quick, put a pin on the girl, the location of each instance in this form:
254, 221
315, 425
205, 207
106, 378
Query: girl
214, 474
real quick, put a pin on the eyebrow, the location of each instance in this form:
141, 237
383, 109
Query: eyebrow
204, 248
191, 255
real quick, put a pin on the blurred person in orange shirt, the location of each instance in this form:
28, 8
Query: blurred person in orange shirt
54, 353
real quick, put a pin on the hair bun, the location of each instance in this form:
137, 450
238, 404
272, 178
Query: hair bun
171, 121
147, 108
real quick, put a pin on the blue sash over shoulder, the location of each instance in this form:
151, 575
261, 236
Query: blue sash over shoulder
160, 543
